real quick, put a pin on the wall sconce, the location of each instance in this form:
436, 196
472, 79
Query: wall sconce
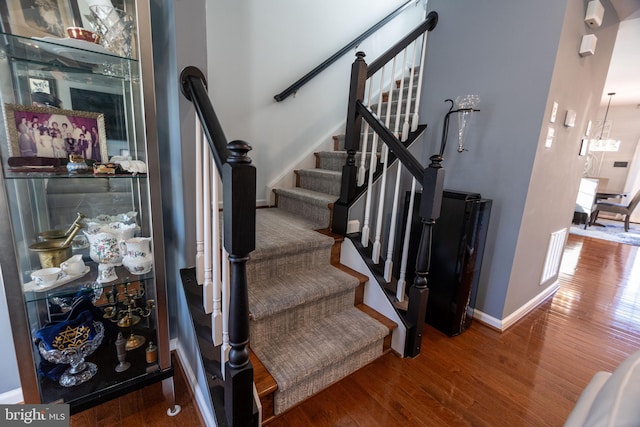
465, 106
595, 13
588, 45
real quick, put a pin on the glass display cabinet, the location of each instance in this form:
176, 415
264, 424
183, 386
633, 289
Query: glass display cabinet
81, 246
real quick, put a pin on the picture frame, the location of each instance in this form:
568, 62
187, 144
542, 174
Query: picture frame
109, 104
39, 18
53, 132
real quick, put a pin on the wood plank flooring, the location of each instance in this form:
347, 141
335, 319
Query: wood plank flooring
144, 408
530, 375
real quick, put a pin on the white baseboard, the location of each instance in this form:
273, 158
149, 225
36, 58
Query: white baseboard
192, 381
502, 324
11, 397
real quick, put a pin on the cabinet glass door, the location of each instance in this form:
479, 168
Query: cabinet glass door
77, 193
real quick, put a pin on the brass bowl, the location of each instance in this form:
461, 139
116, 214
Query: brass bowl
51, 253
53, 235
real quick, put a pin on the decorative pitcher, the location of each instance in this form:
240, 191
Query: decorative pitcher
137, 254
103, 247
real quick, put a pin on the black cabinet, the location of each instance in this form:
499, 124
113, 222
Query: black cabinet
458, 243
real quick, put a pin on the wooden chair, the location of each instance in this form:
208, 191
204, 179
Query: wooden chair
585, 202
619, 208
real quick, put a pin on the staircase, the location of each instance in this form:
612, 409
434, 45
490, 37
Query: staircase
309, 327
299, 310
304, 328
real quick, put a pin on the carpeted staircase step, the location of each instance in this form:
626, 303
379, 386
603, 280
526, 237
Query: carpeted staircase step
287, 302
405, 91
335, 160
309, 359
338, 143
285, 241
394, 104
312, 205
320, 180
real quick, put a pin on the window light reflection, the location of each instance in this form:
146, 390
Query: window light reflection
628, 306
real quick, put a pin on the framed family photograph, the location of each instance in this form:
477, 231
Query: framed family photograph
38, 18
52, 132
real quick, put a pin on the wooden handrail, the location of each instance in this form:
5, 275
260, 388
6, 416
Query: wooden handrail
402, 153
238, 177
339, 54
431, 178
428, 25
194, 87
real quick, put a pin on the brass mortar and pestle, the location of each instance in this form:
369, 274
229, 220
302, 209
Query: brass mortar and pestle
61, 234
54, 252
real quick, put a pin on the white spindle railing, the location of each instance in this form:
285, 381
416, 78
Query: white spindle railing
209, 264
406, 121
199, 209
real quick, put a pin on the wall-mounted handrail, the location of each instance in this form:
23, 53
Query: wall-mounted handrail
333, 58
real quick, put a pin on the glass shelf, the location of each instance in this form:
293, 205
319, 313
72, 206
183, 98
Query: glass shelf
69, 55
88, 280
62, 173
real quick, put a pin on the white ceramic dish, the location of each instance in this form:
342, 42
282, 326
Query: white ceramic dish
34, 287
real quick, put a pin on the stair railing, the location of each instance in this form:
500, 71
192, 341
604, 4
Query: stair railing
340, 53
395, 80
229, 306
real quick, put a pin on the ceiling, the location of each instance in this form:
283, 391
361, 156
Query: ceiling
623, 77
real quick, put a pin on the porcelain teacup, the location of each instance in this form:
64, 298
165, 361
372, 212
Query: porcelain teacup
46, 276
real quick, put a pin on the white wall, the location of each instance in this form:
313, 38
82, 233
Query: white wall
256, 49
625, 126
577, 84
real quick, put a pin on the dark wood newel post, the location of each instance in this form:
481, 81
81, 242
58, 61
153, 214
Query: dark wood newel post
430, 205
351, 144
239, 181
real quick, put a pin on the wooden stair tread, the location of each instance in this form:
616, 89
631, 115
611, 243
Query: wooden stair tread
265, 384
388, 323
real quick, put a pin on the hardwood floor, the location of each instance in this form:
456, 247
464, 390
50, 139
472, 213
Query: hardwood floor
530, 375
144, 408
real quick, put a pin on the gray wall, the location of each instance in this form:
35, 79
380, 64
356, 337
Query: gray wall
506, 53
174, 50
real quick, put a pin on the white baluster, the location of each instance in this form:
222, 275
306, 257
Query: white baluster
390, 97
377, 244
407, 126
362, 170
401, 96
216, 316
388, 264
199, 209
364, 238
375, 252
207, 290
226, 280
416, 118
400, 289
